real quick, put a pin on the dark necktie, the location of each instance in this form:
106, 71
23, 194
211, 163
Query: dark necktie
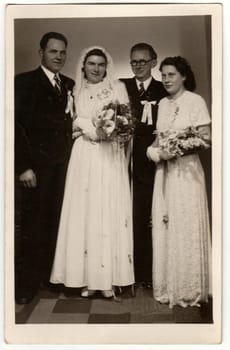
57, 85
141, 90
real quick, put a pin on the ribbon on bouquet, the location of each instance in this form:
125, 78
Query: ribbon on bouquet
147, 112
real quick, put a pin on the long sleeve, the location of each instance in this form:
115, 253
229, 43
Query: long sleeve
23, 103
122, 94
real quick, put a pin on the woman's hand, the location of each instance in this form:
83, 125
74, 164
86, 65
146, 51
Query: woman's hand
91, 134
153, 153
83, 126
77, 132
165, 155
205, 132
156, 154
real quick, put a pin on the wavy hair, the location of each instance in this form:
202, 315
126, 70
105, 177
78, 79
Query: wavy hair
184, 68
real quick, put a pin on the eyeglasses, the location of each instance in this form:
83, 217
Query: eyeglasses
141, 63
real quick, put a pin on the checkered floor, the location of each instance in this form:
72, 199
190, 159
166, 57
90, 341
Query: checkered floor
69, 307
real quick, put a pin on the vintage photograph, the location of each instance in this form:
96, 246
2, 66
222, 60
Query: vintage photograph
114, 192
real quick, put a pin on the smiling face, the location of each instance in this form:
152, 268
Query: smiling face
54, 55
95, 69
172, 80
143, 64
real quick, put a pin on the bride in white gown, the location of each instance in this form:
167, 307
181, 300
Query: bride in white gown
181, 234
94, 246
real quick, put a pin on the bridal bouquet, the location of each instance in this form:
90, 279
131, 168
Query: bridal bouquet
180, 142
115, 123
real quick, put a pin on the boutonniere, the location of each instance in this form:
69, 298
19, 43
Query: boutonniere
70, 108
147, 111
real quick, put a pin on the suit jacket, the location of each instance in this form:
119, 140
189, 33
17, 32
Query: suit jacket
43, 131
143, 169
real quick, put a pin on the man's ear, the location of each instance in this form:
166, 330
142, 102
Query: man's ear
40, 53
154, 63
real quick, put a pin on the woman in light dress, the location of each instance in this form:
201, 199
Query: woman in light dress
181, 233
94, 246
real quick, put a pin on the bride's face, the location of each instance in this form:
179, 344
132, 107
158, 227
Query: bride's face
95, 68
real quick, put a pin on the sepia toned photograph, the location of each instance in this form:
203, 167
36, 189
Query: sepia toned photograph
113, 193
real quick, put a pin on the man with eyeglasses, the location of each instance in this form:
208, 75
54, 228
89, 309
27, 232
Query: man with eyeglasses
144, 93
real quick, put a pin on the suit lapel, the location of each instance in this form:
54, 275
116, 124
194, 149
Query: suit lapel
151, 87
47, 85
133, 88
44, 81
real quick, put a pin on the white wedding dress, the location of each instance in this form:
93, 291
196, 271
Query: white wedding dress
181, 246
95, 245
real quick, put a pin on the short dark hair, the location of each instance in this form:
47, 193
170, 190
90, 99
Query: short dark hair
184, 68
144, 46
52, 35
95, 52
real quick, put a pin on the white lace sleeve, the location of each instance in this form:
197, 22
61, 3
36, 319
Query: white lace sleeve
121, 92
199, 113
82, 123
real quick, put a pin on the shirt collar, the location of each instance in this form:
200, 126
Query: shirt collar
50, 75
146, 83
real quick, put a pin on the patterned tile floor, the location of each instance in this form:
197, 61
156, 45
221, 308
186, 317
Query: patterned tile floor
63, 307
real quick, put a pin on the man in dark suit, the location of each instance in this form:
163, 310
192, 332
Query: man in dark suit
144, 93
43, 140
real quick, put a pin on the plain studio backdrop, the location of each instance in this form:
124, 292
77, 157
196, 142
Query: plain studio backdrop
188, 36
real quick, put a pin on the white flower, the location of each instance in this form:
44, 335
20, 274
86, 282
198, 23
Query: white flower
123, 119
109, 127
108, 114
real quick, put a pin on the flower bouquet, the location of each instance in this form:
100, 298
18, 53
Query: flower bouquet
180, 142
115, 123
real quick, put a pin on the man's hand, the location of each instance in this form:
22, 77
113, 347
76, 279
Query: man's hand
28, 179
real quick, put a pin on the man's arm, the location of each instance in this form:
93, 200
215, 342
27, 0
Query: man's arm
23, 160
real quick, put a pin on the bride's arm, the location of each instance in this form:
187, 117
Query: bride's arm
121, 92
83, 126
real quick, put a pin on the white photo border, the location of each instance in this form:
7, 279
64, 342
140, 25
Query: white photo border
131, 333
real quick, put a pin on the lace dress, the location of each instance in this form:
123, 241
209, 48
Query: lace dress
181, 246
94, 245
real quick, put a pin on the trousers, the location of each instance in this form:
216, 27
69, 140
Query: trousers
39, 214
142, 227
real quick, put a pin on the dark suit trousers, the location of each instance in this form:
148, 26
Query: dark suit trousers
40, 213
142, 207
